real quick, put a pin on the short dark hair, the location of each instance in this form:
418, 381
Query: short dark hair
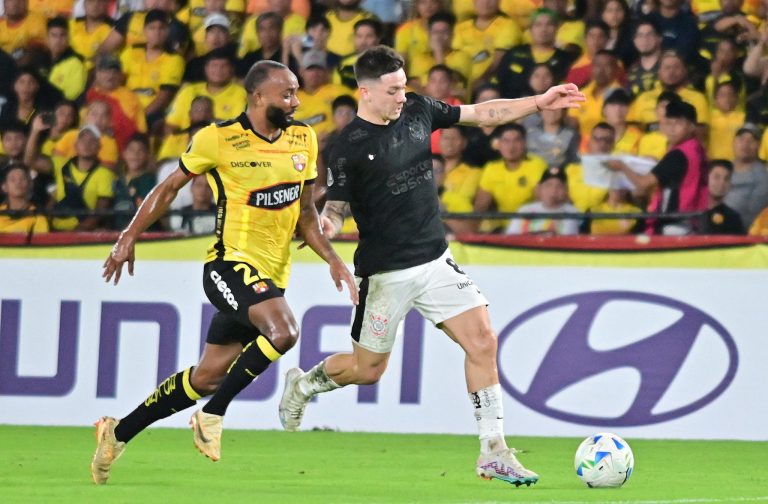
600, 25
58, 22
668, 96
603, 125
15, 126
16, 166
509, 127
344, 100
733, 84
274, 16
259, 72
374, 24
441, 68
141, 138
442, 17
722, 163
318, 20
377, 61
647, 21
681, 110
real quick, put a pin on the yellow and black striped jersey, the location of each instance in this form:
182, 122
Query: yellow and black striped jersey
257, 184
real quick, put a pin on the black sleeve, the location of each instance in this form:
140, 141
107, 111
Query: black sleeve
442, 114
121, 25
339, 180
671, 169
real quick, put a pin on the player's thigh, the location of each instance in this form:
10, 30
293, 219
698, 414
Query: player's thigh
237, 290
472, 330
450, 295
385, 299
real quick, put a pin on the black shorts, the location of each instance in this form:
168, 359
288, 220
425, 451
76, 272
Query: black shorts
233, 287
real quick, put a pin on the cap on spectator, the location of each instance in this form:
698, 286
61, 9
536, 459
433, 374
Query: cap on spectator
750, 128
89, 128
681, 110
156, 15
554, 172
108, 62
216, 19
314, 58
617, 96
543, 11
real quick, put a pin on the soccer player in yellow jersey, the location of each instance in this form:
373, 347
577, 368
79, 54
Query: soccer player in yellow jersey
261, 167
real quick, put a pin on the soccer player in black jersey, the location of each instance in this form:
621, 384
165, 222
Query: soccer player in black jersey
381, 170
261, 167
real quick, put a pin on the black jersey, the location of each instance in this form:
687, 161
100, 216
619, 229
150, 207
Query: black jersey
385, 173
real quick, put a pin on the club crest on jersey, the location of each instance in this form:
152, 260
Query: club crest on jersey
299, 161
260, 287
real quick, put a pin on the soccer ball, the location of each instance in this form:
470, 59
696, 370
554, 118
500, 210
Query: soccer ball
604, 461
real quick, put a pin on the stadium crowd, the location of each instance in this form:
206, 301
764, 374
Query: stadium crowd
99, 98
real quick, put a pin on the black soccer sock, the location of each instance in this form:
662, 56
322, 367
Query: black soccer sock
254, 359
171, 396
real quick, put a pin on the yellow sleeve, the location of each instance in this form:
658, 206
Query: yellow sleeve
489, 180
312, 173
173, 71
764, 146
178, 112
41, 225
403, 37
104, 181
249, 40
508, 35
126, 60
202, 154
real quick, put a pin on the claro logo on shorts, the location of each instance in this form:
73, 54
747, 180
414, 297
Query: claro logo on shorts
275, 197
226, 292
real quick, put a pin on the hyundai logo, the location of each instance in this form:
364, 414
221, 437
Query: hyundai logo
665, 333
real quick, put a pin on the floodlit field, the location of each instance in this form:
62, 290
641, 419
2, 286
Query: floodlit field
39, 464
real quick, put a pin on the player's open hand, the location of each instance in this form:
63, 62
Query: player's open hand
562, 96
122, 252
340, 273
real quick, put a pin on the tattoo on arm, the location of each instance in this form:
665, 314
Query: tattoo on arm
336, 211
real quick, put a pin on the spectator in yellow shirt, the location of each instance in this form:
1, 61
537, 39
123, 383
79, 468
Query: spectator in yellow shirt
200, 114
485, 38
601, 141
605, 74
317, 94
99, 115
615, 110
17, 187
653, 143
21, 31
294, 26
412, 36
508, 183
725, 121
367, 34
618, 202
343, 18
64, 68
83, 184
87, 33
152, 73
440, 52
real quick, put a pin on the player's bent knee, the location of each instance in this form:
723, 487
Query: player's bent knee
483, 344
283, 337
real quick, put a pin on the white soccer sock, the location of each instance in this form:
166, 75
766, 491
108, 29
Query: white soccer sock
316, 381
489, 413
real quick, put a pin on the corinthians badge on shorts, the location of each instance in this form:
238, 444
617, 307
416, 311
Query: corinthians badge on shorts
299, 161
378, 324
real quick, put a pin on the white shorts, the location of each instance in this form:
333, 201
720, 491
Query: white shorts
438, 289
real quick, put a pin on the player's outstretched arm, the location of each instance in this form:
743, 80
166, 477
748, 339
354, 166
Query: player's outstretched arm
313, 232
152, 208
497, 112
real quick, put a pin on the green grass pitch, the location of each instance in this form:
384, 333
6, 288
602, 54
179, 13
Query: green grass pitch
50, 464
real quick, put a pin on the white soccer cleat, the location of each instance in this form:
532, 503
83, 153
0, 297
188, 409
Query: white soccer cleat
108, 449
206, 429
293, 402
503, 465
